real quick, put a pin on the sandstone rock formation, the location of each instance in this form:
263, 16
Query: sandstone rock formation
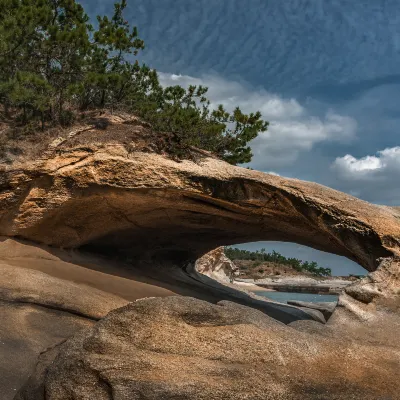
107, 197
155, 217
48, 295
216, 265
37, 312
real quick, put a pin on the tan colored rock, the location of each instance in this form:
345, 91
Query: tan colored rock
160, 215
27, 330
106, 197
38, 311
146, 206
22, 285
216, 265
184, 348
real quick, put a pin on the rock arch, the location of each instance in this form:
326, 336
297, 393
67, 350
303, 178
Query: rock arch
143, 205
131, 203
146, 206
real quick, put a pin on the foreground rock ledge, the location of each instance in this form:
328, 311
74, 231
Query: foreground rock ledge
183, 348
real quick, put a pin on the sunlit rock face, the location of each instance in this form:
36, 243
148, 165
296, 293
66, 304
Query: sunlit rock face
105, 195
217, 265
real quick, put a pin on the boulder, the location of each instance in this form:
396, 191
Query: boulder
183, 348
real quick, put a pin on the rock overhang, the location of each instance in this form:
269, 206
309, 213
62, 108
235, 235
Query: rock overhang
109, 200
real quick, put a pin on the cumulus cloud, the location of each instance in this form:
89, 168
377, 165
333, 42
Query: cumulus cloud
379, 166
373, 177
293, 129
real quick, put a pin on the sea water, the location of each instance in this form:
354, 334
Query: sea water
283, 297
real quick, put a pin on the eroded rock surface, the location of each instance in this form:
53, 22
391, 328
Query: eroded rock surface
38, 311
145, 206
21, 285
217, 265
184, 348
106, 197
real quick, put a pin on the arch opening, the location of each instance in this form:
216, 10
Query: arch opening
286, 272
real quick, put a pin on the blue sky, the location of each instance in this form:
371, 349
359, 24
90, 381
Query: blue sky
324, 73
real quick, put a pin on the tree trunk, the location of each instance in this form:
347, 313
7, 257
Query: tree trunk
103, 98
42, 120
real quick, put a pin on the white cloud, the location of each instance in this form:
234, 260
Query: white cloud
232, 94
374, 178
380, 166
293, 129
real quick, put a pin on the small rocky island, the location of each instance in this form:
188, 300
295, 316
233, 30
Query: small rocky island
101, 296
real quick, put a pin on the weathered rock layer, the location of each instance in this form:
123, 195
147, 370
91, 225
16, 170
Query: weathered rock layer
146, 206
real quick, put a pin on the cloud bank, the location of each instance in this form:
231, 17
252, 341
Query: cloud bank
371, 168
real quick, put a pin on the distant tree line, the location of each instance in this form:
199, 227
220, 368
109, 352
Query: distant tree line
54, 65
275, 257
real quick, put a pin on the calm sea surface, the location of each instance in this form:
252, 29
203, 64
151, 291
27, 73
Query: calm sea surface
283, 297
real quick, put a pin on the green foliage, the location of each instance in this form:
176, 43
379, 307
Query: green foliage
186, 114
263, 256
55, 64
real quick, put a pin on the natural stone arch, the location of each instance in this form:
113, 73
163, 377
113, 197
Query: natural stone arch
147, 204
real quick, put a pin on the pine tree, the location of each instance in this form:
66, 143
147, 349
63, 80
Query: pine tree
54, 64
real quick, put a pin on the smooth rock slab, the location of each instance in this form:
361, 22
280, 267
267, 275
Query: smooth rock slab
26, 330
325, 307
183, 348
